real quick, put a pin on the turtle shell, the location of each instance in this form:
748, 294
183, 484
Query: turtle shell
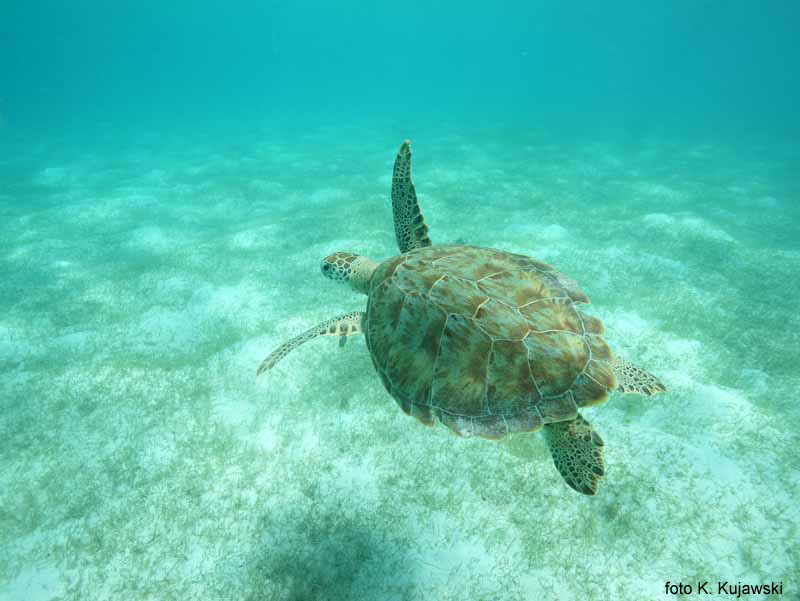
490, 342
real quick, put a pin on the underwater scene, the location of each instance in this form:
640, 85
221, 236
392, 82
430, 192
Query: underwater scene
194, 192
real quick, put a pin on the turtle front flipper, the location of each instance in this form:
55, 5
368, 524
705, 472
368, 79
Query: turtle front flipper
343, 326
409, 225
577, 451
635, 380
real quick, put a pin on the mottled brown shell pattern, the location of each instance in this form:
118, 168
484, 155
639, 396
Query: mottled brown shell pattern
490, 342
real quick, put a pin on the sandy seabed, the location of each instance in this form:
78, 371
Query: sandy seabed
144, 280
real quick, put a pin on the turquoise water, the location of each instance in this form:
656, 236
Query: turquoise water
170, 179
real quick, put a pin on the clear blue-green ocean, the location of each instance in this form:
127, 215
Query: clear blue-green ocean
171, 176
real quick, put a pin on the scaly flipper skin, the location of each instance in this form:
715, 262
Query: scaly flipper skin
344, 325
577, 451
632, 379
409, 225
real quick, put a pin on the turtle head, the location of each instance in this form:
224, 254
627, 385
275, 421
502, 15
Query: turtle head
347, 267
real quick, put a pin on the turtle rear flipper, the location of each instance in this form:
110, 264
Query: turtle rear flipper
635, 380
342, 326
577, 451
409, 225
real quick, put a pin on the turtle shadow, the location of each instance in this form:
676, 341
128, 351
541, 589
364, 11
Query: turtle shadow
324, 555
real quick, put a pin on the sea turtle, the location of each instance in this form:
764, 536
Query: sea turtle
487, 341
